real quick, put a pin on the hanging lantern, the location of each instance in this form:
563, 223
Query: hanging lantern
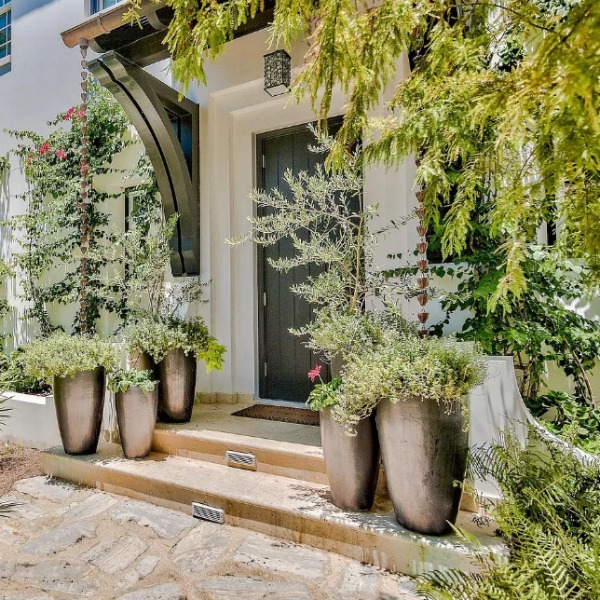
278, 73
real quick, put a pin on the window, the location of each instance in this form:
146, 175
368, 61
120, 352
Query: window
98, 5
5, 15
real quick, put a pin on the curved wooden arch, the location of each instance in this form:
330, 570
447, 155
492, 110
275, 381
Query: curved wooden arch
151, 104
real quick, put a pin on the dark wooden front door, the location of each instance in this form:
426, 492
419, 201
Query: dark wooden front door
284, 359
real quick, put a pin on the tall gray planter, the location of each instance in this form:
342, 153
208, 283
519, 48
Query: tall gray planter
79, 401
177, 386
424, 448
351, 463
142, 361
136, 418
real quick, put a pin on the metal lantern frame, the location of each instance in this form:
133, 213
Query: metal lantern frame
277, 73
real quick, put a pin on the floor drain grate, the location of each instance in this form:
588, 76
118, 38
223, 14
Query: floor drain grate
208, 513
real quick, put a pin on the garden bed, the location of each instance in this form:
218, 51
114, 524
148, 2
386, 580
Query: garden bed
17, 462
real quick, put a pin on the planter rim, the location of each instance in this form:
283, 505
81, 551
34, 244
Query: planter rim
80, 371
137, 387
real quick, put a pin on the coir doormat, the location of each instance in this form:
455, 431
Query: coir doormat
286, 414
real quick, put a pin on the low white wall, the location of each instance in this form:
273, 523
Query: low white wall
30, 422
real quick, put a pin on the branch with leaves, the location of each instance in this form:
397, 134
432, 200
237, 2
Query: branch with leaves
508, 90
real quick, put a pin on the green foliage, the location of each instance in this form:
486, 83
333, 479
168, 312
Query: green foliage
549, 518
322, 217
122, 379
537, 327
200, 29
506, 91
152, 306
14, 378
342, 334
61, 355
331, 234
5, 307
48, 232
570, 419
399, 366
4, 167
147, 254
159, 337
325, 395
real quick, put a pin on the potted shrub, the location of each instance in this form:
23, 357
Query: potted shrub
331, 235
419, 387
353, 487
75, 366
136, 399
175, 345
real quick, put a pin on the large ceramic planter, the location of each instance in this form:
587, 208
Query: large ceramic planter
351, 463
142, 361
177, 386
424, 448
79, 401
136, 418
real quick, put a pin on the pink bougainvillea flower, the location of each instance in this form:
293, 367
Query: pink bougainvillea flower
81, 113
69, 113
45, 147
314, 373
60, 153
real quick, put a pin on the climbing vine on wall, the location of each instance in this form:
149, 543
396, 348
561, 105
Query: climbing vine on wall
48, 232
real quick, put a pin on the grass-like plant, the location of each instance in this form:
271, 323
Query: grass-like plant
62, 355
158, 337
325, 395
549, 518
401, 366
122, 379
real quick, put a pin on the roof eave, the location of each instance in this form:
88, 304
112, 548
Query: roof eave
105, 21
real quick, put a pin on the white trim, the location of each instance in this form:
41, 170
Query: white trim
5, 61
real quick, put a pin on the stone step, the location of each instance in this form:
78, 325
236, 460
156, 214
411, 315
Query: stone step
277, 506
295, 461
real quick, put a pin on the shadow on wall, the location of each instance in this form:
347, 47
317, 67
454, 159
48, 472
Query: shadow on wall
17, 329
24, 7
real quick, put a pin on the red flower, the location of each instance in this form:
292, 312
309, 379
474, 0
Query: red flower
69, 113
81, 113
314, 373
45, 147
60, 153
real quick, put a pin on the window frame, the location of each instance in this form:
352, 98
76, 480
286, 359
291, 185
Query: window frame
6, 8
96, 6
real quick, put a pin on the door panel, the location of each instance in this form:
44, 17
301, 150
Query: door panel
284, 360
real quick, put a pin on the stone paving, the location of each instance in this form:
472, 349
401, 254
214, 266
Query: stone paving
65, 542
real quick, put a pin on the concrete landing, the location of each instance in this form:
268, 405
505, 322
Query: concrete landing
219, 417
295, 511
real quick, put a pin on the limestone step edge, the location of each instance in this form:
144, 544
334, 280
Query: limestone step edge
286, 459
272, 505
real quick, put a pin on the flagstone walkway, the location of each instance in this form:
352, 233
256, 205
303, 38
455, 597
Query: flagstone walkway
65, 542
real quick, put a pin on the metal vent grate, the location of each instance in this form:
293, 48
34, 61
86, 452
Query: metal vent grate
208, 513
241, 460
